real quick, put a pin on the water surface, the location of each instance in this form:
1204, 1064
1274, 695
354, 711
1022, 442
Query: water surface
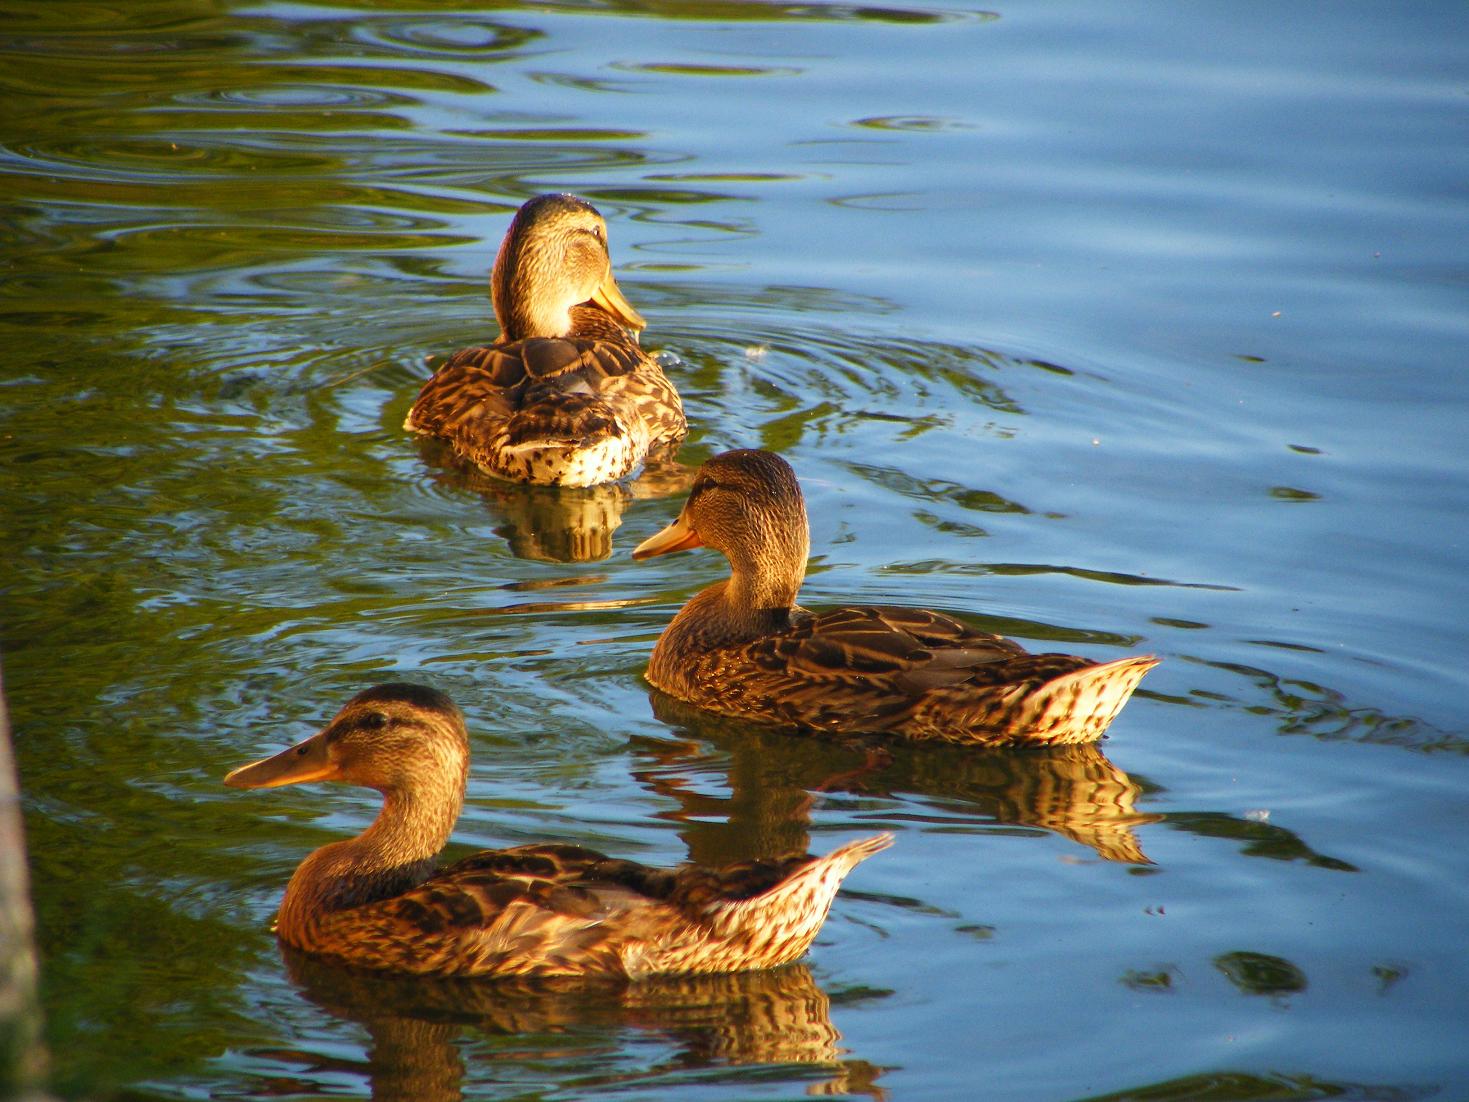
1116, 331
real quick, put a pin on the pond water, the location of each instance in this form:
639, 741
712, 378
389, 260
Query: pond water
1117, 329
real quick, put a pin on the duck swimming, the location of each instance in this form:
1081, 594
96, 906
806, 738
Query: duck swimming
375, 901
564, 397
743, 647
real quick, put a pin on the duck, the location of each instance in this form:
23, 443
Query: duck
565, 396
744, 648
378, 902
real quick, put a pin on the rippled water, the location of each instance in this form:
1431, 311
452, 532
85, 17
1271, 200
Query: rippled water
1114, 330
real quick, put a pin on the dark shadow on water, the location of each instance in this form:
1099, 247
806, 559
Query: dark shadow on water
773, 776
1271, 1086
429, 1039
1258, 837
1303, 707
1238, 1086
1261, 973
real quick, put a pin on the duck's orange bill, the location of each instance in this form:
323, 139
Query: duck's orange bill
306, 761
609, 297
678, 536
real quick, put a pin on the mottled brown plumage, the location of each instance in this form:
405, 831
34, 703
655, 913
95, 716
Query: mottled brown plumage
564, 397
743, 647
376, 901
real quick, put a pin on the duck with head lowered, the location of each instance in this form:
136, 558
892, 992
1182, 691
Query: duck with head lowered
376, 901
565, 396
744, 648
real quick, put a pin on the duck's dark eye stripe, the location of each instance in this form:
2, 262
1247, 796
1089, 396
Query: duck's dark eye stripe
374, 720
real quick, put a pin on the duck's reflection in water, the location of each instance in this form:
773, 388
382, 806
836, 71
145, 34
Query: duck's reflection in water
551, 524
418, 1028
1071, 790
554, 523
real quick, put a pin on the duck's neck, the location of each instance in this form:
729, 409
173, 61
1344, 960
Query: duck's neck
521, 315
392, 855
532, 293
757, 586
520, 319
755, 602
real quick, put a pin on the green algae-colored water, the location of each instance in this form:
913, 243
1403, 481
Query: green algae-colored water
1132, 330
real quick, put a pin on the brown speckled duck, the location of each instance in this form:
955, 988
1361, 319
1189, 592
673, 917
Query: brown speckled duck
744, 648
375, 901
564, 397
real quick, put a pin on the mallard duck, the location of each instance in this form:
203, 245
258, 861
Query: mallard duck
375, 901
564, 397
743, 647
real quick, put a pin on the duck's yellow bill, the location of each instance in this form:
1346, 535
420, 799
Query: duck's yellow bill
678, 536
609, 297
306, 761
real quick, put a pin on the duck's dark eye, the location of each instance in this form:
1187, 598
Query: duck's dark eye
374, 721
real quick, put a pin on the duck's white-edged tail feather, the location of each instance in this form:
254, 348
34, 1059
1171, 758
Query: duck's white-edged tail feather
794, 909
1078, 706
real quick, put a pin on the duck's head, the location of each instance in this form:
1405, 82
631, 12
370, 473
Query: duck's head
554, 257
747, 505
395, 738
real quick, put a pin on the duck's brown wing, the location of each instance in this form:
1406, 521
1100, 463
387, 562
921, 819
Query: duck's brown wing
873, 668
533, 910
572, 411
552, 863
921, 648
689, 887
481, 386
